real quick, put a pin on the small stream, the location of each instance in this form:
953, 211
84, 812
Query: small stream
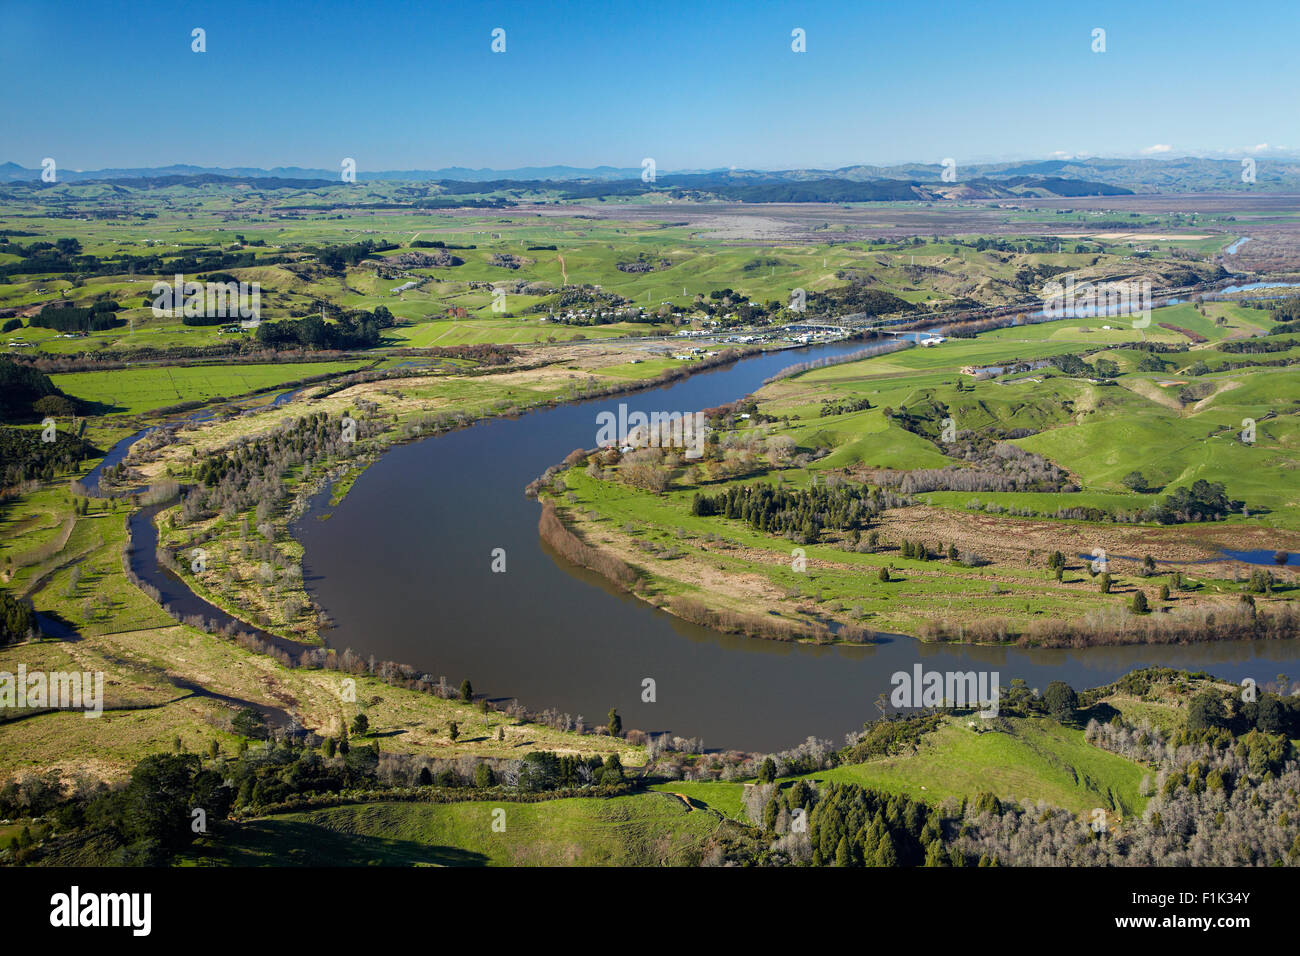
122, 448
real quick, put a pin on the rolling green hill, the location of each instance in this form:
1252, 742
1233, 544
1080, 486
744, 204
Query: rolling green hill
648, 829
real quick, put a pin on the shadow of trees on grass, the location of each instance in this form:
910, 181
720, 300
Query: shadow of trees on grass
293, 843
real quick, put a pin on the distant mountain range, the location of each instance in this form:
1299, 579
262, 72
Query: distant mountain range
1055, 177
11, 172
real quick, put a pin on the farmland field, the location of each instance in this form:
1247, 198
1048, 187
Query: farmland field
145, 388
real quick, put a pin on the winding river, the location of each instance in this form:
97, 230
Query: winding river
403, 567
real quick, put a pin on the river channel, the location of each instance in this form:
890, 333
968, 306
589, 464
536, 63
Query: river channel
403, 567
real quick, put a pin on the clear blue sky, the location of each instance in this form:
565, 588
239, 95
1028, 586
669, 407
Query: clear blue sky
414, 85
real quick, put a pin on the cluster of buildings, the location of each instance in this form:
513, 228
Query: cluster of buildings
797, 334
690, 354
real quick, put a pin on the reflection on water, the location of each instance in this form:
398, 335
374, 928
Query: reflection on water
1250, 286
1265, 556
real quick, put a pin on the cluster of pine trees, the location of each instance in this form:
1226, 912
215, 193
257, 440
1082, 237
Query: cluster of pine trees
24, 457
338, 257
798, 513
16, 619
20, 386
917, 550
1203, 501
843, 407
542, 770
852, 826
353, 330
96, 318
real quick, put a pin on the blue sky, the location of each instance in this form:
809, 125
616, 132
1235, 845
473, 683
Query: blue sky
404, 85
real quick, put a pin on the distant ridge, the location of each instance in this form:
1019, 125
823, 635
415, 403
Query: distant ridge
12, 172
1055, 177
